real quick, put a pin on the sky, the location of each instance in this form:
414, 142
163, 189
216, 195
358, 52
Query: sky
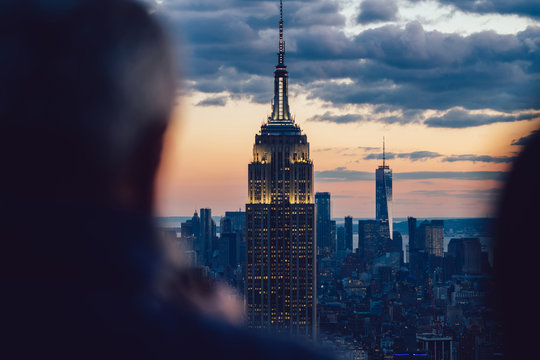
452, 85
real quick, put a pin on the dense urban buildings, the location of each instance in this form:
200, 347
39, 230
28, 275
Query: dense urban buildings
383, 196
280, 221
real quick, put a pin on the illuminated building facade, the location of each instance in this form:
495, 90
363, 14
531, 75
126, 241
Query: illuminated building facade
383, 196
280, 214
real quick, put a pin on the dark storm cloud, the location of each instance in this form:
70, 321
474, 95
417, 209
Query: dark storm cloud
479, 158
416, 69
231, 46
528, 8
377, 10
342, 174
524, 140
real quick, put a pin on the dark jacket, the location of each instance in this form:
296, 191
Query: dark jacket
81, 283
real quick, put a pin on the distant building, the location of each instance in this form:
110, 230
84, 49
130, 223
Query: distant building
340, 238
397, 241
437, 347
207, 236
333, 236
430, 234
229, 249
323, 223
383, 196
349, 233
467, 255
237, 219
372, 240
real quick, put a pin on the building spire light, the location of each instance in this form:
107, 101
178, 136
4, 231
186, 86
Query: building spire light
383, 153
280, 106
281, 54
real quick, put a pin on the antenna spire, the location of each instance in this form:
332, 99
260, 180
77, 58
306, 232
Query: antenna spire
383, 152
281, 54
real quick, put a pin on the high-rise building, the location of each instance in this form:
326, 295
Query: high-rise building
467, 254
397, 241
371, 242
348, 233
430, 235
340, 238
383, 195
280, 221
324, 230
207, 236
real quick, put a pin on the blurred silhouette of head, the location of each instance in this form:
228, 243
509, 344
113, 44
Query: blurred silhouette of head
86, 92
517, 252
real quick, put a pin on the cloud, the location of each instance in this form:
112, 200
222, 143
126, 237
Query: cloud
479, 158
524, 140
377, 10
229, 46
455, 175
213, 101
413, 156
368, 148
343, 196
342, 174
460, 118
463, 194
520, 7
339, 119
425, 155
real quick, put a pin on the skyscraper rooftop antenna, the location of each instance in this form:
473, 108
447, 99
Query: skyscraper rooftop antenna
281, 54
383, 153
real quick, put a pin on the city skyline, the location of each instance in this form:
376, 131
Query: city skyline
449, 144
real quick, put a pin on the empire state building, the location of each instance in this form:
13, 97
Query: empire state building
280, 220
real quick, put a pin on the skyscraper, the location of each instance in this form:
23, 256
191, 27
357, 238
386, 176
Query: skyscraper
348, 232
431, 237
324, 233
280, 219
383, 195
207, 236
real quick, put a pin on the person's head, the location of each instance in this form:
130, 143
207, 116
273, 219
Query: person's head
517, 252
86, 90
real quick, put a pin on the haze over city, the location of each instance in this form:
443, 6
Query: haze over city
450, 86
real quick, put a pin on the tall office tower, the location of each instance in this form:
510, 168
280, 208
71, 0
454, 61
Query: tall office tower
372, 240
411, 222
430, 235
348, 233
280, 220
324, 230
238, 220
207, 235
340, 238
333, 235
383, 195
398, 245
467, 254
